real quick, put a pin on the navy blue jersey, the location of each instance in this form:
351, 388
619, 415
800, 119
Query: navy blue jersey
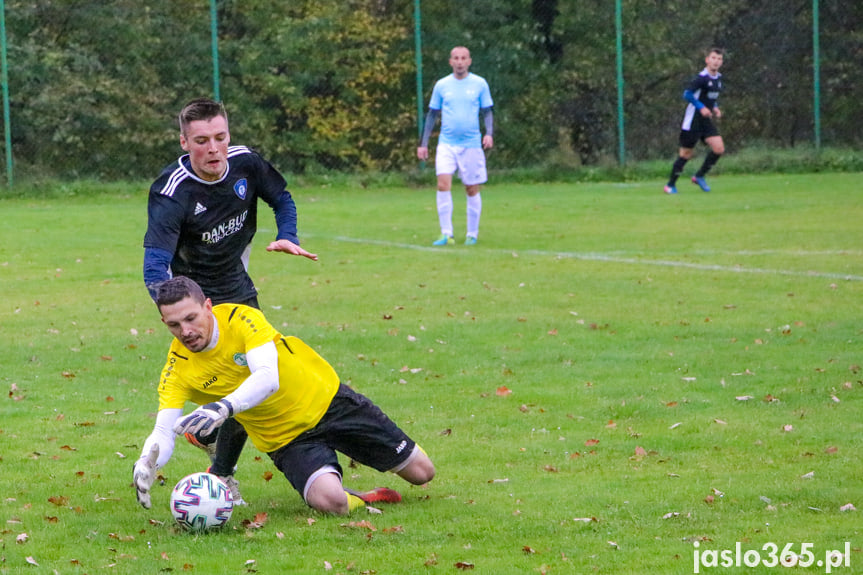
209, 226
705, 88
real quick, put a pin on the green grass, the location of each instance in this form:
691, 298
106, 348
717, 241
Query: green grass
625, 323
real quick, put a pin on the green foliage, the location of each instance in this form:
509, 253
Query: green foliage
331, 85
331, 94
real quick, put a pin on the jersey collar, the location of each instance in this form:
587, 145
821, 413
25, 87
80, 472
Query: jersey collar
187, 167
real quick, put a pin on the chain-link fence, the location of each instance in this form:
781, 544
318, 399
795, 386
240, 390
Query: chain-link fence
317, 85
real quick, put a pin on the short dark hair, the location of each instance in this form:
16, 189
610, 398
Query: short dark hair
200, 109
175, 289
717, 49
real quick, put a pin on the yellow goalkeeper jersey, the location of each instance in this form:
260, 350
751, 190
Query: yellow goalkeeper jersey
307, 383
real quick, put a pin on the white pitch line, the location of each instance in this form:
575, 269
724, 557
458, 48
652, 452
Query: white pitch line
614, 259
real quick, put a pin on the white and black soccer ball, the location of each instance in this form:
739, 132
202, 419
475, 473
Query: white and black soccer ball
201, 502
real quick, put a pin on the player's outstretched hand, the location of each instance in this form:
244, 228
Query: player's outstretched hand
290, 247
143, 475
206, 419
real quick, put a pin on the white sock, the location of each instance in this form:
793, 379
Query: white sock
444, 212
474, 209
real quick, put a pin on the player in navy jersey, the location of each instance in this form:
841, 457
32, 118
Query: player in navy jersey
702, 95
202, 217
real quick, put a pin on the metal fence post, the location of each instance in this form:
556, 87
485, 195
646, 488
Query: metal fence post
7, 128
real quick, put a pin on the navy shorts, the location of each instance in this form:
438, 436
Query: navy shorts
352, 425
702, 128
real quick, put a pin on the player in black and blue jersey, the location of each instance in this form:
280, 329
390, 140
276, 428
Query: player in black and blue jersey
202, 217
702, 95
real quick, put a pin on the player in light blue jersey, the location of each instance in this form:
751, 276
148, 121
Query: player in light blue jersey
459, 99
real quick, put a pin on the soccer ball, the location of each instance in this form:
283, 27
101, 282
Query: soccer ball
201, 502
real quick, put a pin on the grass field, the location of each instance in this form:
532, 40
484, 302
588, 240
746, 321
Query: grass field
612, 381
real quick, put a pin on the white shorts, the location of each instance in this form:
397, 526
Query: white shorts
468, 162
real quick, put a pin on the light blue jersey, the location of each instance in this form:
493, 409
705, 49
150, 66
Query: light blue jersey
459, 102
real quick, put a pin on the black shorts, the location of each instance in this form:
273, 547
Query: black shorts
702, 128
352, 425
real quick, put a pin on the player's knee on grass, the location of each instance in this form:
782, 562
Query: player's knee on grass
419, 468
327, 495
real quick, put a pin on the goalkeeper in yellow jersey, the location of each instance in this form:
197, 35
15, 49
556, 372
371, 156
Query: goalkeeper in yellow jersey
231, 362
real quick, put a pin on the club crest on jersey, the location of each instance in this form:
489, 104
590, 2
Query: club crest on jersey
240, 359
240, 188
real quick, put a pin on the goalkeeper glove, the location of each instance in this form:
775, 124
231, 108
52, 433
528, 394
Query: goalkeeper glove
143, 475
206, 419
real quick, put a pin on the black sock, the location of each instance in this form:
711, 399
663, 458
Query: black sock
677, 169
232, 438
709, 162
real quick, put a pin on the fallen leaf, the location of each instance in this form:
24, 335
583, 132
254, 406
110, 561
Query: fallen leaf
809, 475
259, 521
22, 538
744, 397
671, 514
848, 507
528, 550
787, 428
360, 525
675, 425
720, 422
31, 561
503, 391
591, 442
464, 565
